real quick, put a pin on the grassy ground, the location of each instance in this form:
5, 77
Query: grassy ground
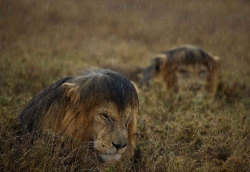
43, 41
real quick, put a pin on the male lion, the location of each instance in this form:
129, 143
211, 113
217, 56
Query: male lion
99, 106
188, 70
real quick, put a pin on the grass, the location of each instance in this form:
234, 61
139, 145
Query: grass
43, 41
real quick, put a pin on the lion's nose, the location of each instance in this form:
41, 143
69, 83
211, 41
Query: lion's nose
119, 145
195, 87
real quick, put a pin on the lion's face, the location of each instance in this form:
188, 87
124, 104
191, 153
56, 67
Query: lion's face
191, 79
111, 130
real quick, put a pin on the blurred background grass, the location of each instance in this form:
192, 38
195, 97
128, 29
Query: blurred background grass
43, 41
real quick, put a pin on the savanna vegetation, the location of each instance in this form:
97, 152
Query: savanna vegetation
43, 41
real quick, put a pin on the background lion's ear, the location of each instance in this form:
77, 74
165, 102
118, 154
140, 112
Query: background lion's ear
71, 91
217, 60
158, 63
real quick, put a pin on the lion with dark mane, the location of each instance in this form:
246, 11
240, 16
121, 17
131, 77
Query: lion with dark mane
187, 70
99, 106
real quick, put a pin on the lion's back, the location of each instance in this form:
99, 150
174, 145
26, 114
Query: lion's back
38, 105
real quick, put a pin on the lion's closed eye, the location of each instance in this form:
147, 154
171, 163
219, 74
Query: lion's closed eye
182, 71
106, 117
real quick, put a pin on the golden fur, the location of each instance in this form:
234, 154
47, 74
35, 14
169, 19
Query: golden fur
98, 107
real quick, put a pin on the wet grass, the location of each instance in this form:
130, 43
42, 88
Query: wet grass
43, 41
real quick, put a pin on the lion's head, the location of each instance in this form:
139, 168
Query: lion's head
98, 107
110, 130
188, 70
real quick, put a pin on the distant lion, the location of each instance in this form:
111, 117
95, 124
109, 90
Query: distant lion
99, 106
187, 70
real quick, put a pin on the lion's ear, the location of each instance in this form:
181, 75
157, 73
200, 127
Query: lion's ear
217, 61
158, 63
71, 91
136, 87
